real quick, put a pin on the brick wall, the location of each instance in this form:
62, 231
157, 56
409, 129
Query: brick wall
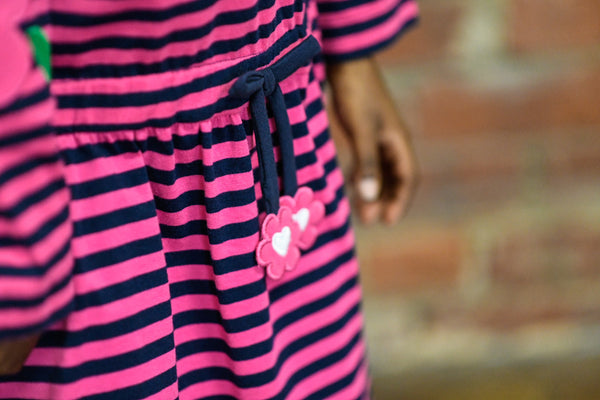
499, 259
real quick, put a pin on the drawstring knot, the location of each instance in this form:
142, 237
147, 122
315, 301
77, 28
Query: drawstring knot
252, 82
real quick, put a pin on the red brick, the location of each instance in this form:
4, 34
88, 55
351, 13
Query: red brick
566, 100
429, 259
553, 24
430, 38
542, 255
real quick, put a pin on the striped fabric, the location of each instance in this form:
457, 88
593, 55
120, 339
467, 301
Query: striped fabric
130, 201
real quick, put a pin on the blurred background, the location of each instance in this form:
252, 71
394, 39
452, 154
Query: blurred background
490, 288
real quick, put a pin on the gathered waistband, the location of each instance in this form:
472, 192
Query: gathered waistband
159, 101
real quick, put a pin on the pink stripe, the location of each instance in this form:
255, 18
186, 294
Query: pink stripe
188, 48
211, 330
30, 221
150, 29
100, 383
359, 384
39, 253
101, 7
181, 273
87, 282
331, 374
371, 36
22, 317
118, 309
30, 118
108, 202
234, 247
66, 357
217, 220
222, 184
103, 167
213, 387
210, 302
217, 152
94, 243
239, 278
357, 14
191, 242
15, 191
22, 288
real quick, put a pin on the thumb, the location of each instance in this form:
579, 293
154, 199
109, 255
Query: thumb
367, 172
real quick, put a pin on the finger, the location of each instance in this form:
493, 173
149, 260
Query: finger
400, 203
401, 177
367, 172
368, 212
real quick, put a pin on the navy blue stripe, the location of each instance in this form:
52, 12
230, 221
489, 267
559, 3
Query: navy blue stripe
229, 296
109, 183
225, 167
155, 43
233, 325
22, 103
94, 151
336, 386
141, 319
37, 270
335, 58
35, 328
142, 390
215, 236
98, 367
39, 300
120, 217
121, 290
335, 6
360, 27
36, 197
29, 165
143, 15
206, 140
44, 230
181, 62
215, 204
17, 138
319, 365
115, 255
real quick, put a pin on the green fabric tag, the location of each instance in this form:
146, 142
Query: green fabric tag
41, 49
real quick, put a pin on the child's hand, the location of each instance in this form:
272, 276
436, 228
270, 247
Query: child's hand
13, 353
383, 176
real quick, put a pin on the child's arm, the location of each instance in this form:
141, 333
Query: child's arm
384, 174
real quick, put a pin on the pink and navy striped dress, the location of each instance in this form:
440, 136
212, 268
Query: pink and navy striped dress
134, 182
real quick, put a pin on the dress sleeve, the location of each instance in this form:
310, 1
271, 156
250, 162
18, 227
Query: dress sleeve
35, 231
356, 28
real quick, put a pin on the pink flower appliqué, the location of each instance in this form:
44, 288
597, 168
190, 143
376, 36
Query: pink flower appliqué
278, 249
307, 213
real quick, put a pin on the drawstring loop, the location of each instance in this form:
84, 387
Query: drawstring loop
257, 87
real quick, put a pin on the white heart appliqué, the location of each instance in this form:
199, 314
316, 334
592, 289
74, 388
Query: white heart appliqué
301, 217
281, 241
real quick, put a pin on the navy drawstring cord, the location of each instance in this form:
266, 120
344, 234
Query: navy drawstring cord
257, 86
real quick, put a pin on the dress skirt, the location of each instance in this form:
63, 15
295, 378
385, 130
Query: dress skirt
130, 222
